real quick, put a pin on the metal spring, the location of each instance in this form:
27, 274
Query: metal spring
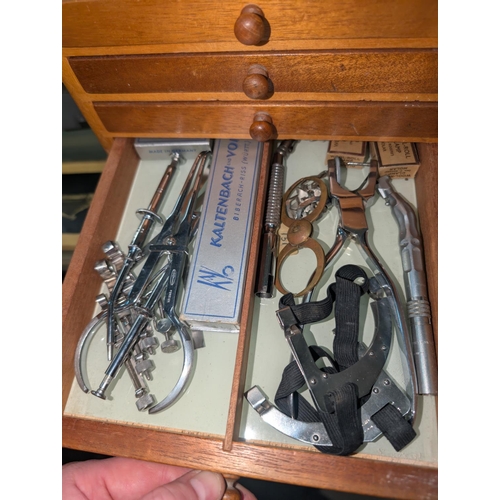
275, 194
419, 308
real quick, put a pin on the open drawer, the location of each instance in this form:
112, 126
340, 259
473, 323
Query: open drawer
212, 426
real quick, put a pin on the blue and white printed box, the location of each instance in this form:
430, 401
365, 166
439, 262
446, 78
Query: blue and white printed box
214, 288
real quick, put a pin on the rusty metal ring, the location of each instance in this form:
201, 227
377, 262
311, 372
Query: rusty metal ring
313, 281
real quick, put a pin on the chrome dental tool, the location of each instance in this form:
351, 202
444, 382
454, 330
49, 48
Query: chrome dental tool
108, 270
354, 226
172, 243
151, 300
418, 307
135, 253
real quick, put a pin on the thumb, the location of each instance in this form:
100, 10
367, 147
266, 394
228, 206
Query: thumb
195, 485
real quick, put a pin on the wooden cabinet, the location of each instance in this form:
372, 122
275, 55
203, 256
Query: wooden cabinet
353, 70
342, 72
348, 69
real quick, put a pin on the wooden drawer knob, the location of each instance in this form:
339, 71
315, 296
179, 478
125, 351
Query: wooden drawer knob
257, 84
251, 28
231, 493
262, 128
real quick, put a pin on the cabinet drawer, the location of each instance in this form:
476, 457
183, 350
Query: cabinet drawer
229, 454
318, 120
196, 25
338, 72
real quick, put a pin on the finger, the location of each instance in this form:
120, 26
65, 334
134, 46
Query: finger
245, 494
195, 485
120, 478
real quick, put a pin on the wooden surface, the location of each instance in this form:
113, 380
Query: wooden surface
231, 492
426, 184
82, 283
252, 27
364, 476
84, 104
195, 25
336, 72
385, 121
351, 51
240, 365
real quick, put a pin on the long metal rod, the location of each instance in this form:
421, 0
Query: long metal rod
418, 307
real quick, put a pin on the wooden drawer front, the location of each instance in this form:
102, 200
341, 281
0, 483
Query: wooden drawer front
338, 72
301, 24
357, 121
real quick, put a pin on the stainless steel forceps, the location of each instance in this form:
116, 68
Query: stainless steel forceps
354, 226
156, 280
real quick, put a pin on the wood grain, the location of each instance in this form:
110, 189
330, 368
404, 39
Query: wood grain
231, 493
84, 104
276, 46
150, 69
410, 122
426, 185
365, 476
241, 362
276, 96
81, 283
383, 72
196, 23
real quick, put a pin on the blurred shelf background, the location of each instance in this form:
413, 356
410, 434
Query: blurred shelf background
83, 160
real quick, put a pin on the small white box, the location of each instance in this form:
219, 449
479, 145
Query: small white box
162, 149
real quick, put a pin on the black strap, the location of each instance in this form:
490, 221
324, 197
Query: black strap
345, 344
394, 426
343, 419
343, 425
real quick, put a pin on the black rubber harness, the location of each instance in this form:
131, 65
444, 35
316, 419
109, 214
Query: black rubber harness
342, 388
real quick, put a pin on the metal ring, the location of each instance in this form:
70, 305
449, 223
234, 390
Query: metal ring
87, 334
144, 212
288, 221
313, 281
187, 368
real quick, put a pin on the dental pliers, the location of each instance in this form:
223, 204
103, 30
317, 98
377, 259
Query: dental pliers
354, 226
158, 282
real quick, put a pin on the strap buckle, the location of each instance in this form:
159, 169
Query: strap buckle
287, 318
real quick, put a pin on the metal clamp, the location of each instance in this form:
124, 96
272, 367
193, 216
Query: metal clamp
303, 203
153, 295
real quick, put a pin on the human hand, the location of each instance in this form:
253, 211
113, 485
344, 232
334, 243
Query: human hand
128, 479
